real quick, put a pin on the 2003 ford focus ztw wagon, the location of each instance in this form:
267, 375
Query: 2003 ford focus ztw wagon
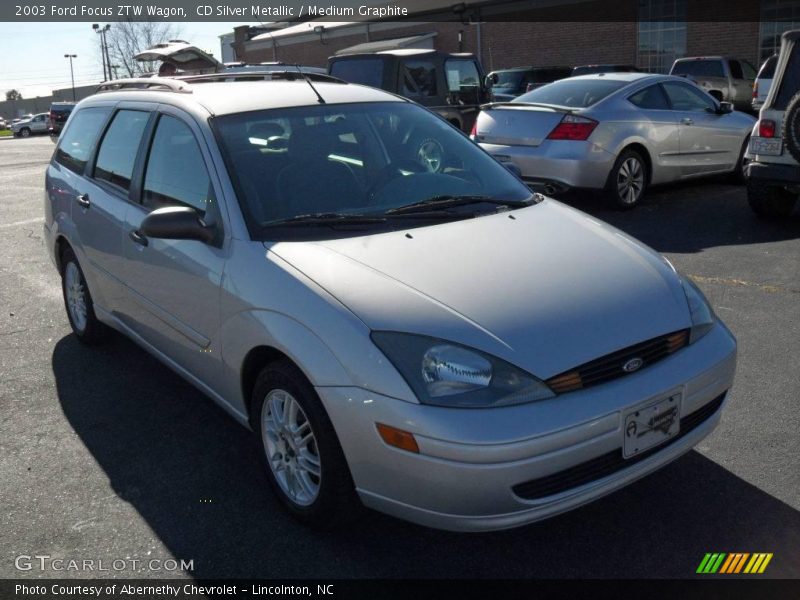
393, 312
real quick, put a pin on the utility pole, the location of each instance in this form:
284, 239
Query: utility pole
71, 72
104, 49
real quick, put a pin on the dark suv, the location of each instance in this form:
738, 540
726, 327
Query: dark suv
507, 84
59, 113
452, 85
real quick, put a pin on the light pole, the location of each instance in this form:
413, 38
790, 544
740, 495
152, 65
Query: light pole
71, 72
104, 49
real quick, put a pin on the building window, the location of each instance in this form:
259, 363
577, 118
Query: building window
662, 34
777, 16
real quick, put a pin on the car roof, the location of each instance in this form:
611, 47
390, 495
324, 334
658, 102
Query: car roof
221, 98
626, 76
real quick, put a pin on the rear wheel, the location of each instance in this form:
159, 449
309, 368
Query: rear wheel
78, 301
769, 201
737, 175
25, 132
305, 464
627, 181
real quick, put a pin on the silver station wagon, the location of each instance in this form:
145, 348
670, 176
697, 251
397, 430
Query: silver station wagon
400, 320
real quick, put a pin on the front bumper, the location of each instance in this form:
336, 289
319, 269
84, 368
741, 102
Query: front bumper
470, 461
558, 163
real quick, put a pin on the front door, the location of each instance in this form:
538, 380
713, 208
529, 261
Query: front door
173, 286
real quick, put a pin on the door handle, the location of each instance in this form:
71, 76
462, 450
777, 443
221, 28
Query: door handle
687, 121
83, 200
138, 237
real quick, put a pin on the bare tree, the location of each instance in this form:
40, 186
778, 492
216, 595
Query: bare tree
127, 38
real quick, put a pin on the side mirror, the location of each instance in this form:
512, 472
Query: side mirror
725, 108
176, 223
491, 80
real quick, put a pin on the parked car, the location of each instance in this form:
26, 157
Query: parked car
773, 173
3, 123
452, 85
30, 126
59, 113
727, 79
618, 133
763, 82
507, 84
325, 296
593, 69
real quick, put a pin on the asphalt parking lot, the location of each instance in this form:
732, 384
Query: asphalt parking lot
106, 454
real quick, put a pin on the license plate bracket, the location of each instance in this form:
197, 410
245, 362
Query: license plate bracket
766, 146
651, 425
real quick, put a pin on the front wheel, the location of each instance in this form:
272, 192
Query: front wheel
25, 132
627, 181
305, 464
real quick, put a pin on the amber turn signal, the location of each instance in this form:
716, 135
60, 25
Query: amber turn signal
398, 438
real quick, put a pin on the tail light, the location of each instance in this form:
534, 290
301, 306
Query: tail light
473, 132
766, 128
573, 128
755, 90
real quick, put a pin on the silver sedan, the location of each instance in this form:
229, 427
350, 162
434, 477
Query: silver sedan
617, 132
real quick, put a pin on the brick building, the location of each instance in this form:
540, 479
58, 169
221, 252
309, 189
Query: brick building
646, 33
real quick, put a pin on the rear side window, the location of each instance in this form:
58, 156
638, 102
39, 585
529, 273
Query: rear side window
578, 93
768, 68
119, 147
699, 68
650, 98
366, 71
78, 140
790, 81
418, 78
175, 174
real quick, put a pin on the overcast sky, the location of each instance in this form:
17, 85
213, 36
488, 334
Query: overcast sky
32, 54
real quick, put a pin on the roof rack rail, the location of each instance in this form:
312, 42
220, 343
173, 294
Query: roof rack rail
145, 83
288, 74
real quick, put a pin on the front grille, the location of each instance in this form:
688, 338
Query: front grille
611, 365
607, 464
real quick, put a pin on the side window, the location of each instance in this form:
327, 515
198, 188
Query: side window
687, 98
119, 147
78, 140
650, 98
175, 174
462, 75
736, 69
418, 78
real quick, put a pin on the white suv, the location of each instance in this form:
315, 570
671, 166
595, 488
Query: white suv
773, 175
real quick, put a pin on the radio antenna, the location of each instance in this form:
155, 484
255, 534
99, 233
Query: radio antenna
320, 99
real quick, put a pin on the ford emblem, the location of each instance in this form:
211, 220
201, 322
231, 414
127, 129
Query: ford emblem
632, 365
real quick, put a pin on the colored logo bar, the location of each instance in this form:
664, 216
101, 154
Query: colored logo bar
734, 563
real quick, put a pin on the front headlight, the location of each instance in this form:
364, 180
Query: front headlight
702, 315
443, 373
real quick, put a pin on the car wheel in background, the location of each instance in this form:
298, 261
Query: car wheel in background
791, 127
78, 301
737, 175
627, 180
768, 200
25, 132
305, 464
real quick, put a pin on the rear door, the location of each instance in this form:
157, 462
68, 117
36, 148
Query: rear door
707, 142
174, 285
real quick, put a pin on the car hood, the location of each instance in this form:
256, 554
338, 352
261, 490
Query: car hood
545, 287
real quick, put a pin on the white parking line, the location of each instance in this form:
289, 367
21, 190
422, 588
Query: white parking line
20, 223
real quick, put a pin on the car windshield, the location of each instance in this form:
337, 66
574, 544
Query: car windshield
575, 93
320, 164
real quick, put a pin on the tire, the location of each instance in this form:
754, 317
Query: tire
627, 180
737, 175
78, 302
791, 127
322, 494
25, 132
769, 201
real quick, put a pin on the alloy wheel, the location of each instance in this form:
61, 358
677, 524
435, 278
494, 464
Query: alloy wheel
76, 296
630, 181
291, 447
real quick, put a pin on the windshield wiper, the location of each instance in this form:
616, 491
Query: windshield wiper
327, 218
448, 201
